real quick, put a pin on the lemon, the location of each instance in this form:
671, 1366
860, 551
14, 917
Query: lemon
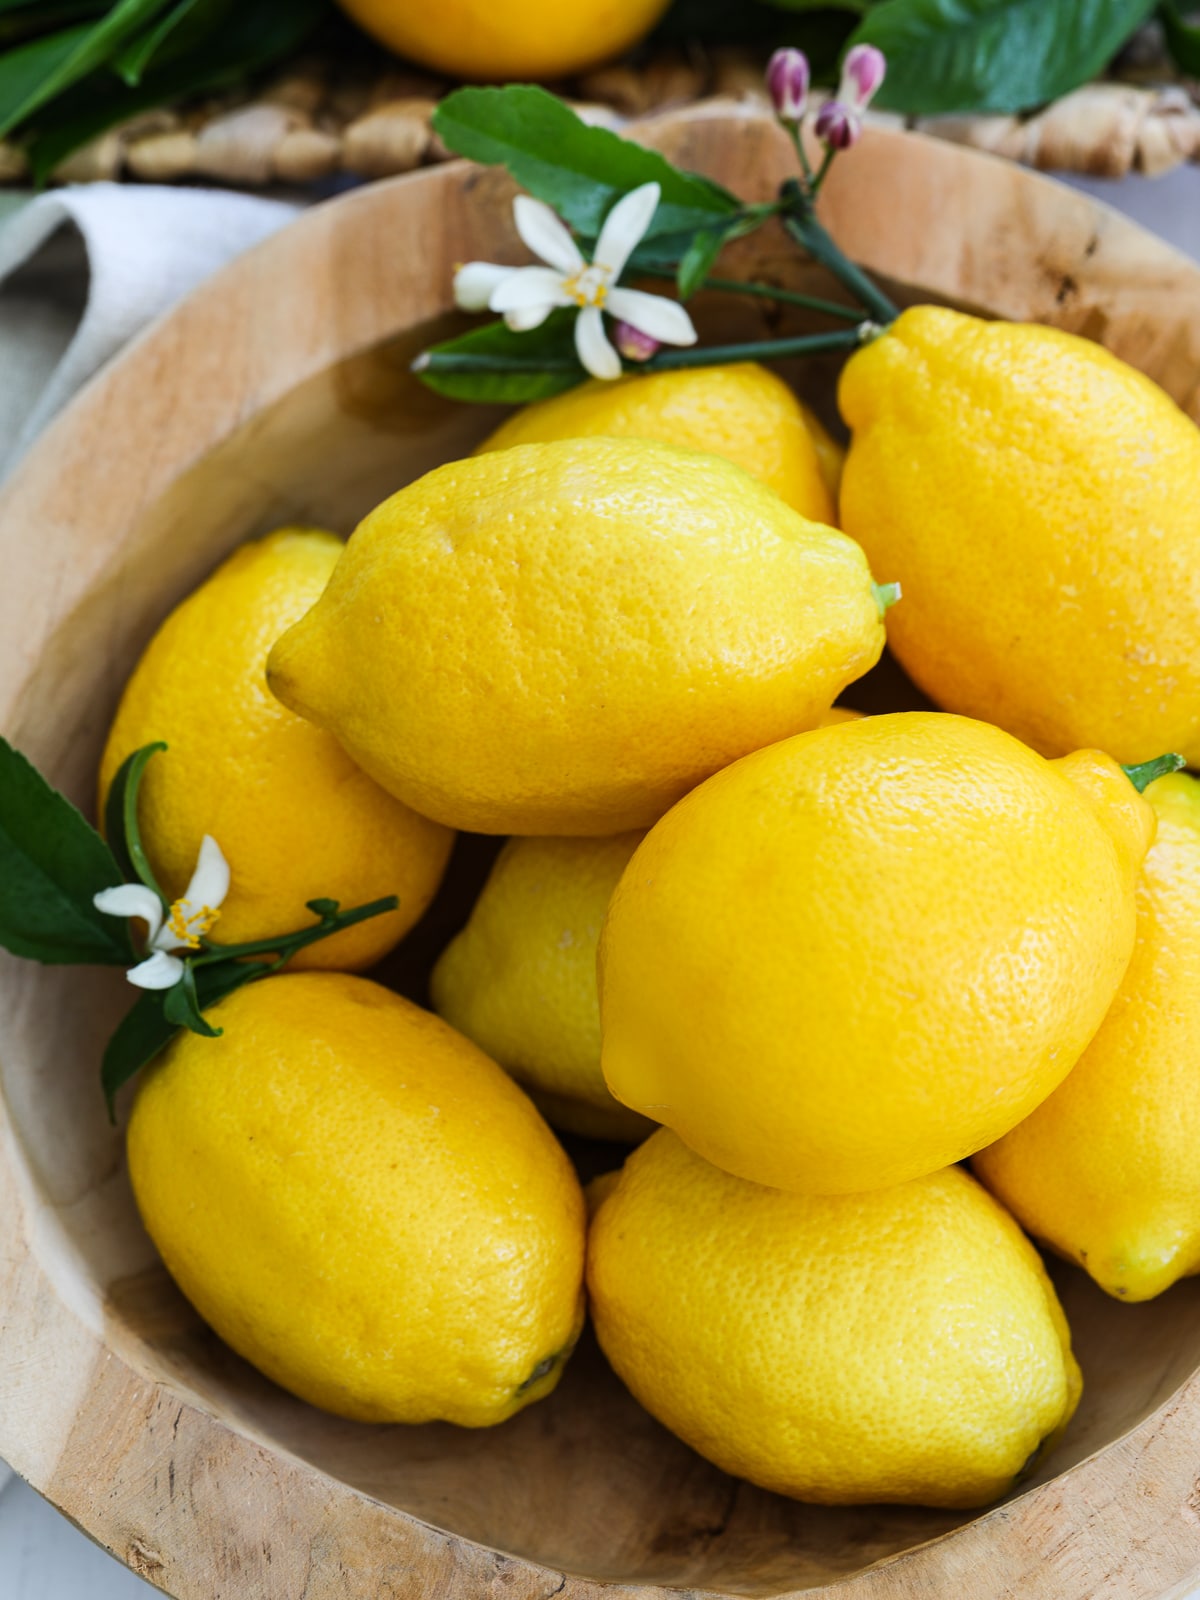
499, 39
1107, 1170
294, 816
865, 952
904, 1345
564, 638
1040, 502
742, 412
520, 979
362, 1204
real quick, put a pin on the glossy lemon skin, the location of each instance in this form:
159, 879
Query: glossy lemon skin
1107, 1170
865, 952
1039, 501
904, 1345
296, 819
520, 979
741, 412
496, 40
362, 1204
564, 638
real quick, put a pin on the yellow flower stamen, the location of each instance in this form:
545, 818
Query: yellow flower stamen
190, 926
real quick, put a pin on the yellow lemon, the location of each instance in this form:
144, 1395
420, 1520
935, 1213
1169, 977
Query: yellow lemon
1039, 501
742, 412
520, 979
296, 819
564, 638
500, 39
864, 953
904, 1345
362, 1204
1107, 1170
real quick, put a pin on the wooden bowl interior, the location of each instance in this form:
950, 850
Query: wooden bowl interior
585, 1482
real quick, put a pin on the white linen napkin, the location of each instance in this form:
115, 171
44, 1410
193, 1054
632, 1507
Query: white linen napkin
85, 268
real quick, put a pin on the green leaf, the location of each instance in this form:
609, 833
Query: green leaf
537, 364
51, 864
578, 170
139, 1036
993, 55
697, 261
1183, 38
35, 73
131, 62
121, 819
241, 42
182, 1006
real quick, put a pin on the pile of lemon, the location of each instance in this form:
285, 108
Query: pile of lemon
837, 955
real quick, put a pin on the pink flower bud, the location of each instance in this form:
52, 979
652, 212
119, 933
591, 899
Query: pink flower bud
633, 344
838, 125
787, 83
862, 73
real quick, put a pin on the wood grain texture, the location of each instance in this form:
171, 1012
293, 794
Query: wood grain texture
280, 391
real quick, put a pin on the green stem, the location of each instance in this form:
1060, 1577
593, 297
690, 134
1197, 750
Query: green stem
285, 945
814, 187
885, 594
800, 220
713, 355
1143, 773
765, 291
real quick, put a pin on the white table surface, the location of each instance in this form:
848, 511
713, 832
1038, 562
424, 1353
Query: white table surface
42, 1557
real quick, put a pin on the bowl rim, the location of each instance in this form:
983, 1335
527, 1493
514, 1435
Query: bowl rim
105, 1454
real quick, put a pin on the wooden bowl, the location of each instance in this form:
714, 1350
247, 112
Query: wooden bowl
280, 391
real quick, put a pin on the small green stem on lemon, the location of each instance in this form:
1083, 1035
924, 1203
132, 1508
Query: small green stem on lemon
886, 595
1143, 773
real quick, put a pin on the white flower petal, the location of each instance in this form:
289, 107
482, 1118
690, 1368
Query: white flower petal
529, 287
160, 971
210, 881
545, 235
525, 321
653, 314
591, 341
131, 900
624, 227
475, 283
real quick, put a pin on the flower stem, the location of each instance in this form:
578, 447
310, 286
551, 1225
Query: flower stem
285, 945
800, 220
767, 291
1143, 774
713, 355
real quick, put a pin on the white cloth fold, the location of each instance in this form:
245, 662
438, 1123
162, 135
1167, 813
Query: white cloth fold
83, 269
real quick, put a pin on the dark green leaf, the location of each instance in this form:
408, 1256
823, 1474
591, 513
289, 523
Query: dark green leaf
1183, 38
51, 864
993, 55
323, 908
858, 6
140, 1035
21, 22
131, 62
121, 819
579, 171
182, 1006
249, 38
35, 73
537, 364
697, 261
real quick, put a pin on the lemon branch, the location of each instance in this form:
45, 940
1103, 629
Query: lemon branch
800, 220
